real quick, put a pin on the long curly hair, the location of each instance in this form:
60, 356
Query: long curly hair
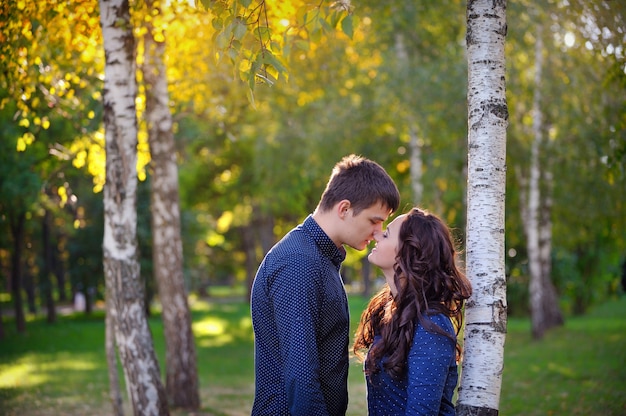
428, 282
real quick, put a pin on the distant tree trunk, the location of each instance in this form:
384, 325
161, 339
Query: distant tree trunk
415, 155
58, 268
28, 284
46, 270
366, 270
551, 300
485, 311
1, 324
416, 165
167, 248
17, 232
120, 250
263, 227
544, 305
249, 247
266, 233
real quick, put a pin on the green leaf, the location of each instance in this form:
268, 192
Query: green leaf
347, 25
303, 45
270, 59
334, 18
263, 33
223, 39
240, 29
217, 23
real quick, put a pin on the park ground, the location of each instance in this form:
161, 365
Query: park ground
60, 369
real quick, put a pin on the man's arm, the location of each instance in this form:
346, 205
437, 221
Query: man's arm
295, 293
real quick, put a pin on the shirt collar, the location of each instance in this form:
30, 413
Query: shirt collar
328, 248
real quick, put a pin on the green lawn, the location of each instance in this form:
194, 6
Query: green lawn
60, 369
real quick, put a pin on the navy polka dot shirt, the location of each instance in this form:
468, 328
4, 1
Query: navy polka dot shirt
301, 327
429, 384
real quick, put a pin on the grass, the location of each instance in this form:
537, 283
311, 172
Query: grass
60, 369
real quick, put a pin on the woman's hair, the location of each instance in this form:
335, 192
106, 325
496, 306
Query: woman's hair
428, 282
361, 181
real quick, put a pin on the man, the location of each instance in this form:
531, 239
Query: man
299, 305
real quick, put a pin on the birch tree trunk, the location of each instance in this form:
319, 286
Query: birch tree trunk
416, 164
180, 356
121, 266
554, 316
544, 306
115, 393
485, 313
415, 148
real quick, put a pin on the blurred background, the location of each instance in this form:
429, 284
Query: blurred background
254, 157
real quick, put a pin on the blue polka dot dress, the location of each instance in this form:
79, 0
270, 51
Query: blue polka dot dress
430, 379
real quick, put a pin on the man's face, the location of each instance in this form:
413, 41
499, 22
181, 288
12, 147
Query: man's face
359, 229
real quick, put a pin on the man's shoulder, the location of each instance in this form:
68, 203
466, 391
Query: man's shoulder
296, 242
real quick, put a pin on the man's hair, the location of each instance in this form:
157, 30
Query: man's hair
361, 181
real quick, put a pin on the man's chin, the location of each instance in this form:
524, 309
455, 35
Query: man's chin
360, 247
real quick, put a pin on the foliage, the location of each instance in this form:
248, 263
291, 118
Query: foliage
584, 124
253, 35
334, 84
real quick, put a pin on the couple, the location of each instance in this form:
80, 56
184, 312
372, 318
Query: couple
300, 310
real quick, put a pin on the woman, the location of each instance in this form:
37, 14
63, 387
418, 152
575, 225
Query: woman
410, 327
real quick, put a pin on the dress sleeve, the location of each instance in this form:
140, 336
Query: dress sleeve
429, 362
296, 297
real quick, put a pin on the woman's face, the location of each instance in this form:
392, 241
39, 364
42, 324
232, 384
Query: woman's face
384, 252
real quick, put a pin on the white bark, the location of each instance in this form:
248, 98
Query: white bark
485, 315
544, 308
534, 198
416, 164
415, 148
180, 354
115, 393
121, 266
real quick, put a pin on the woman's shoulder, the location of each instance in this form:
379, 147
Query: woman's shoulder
442, 320
439, 318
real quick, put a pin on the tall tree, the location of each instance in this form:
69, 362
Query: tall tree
167, 249
121, 267
485, 313
544, 305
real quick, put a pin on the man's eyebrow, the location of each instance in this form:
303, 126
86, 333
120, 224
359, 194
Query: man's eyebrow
377, 218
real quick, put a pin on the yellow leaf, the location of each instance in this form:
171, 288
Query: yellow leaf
62, 192
21, 145
245, 65
223, 223
403, 166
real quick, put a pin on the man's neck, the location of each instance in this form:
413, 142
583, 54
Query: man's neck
327, 222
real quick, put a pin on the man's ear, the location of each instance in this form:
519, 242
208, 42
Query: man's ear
342, 208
